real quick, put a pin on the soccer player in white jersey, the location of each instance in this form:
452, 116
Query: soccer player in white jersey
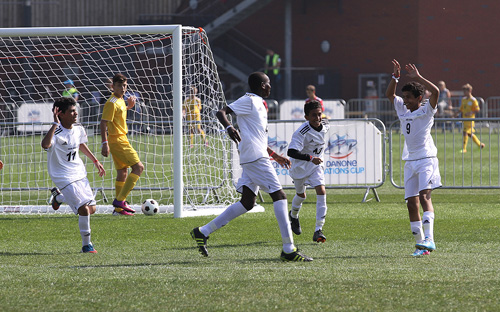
66, 168
306, 150
258, 171
421, 171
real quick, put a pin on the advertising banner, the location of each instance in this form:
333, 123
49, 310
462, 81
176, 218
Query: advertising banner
353, 154
34, 114
294, 109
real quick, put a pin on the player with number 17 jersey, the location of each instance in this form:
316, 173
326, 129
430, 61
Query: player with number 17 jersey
63, 160
416, 127
310, 141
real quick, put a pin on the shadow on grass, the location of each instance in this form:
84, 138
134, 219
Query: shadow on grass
12, 254
34, 217
259, 244
128, 265
196, 261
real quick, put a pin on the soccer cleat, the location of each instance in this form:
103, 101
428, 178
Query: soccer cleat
89, 249
201, 241
123, 205
295, 223
482, 145
295, 255
427, 244
463, 151
121, 212
319, 237
420, 252
55, 204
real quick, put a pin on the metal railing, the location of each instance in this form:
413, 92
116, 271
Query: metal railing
477, 168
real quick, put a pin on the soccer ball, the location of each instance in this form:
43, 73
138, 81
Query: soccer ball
150, 207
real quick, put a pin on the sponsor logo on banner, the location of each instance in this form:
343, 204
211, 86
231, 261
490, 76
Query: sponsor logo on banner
34, 116
340, 147
277, 145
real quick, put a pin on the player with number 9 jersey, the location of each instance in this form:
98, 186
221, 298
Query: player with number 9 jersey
416, 127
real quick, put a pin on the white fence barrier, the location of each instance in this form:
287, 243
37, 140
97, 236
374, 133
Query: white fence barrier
478, 168
294, 109
354, 156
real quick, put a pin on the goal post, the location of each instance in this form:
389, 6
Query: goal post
186, 160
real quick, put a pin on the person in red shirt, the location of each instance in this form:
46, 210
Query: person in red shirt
311, 96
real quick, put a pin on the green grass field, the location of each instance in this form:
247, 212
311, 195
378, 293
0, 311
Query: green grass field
152, 264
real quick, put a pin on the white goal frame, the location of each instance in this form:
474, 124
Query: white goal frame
176, 32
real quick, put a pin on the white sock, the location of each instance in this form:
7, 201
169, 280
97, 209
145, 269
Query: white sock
60, 198
231, 212
428, 224
84, 225
281, 213
320, 211
296, 205
416, 229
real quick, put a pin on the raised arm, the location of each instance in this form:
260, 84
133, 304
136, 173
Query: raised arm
414, 74
47, 139
391, 88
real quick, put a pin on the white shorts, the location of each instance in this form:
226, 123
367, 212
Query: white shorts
421, 175
259, 174
77, 194
316, 178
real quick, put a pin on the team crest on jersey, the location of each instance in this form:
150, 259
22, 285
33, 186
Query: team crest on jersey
341, 146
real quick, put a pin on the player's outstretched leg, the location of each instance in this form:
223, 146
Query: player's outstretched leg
54, 193
201, 241
295, 255
319, 237
295, 224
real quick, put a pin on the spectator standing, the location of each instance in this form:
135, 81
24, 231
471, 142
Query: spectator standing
70, 90
311, 96
272, 70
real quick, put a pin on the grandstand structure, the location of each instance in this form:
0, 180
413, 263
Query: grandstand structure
336, 54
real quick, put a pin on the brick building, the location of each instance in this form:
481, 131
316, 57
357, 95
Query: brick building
450, 40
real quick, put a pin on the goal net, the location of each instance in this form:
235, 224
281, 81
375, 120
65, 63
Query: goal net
187, 162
